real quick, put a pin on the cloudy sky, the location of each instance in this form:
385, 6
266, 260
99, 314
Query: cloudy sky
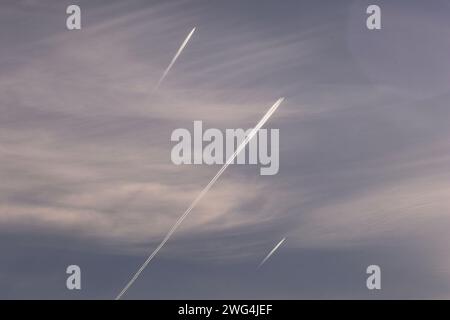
86, 176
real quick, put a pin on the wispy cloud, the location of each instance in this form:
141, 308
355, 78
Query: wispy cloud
363, 136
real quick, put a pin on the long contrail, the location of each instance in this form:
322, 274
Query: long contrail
202, 193
183, 45
271, 252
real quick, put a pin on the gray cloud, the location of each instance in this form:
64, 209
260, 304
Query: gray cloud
85, 146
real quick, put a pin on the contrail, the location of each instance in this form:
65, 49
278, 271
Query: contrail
175, 58
139, 191
202, 193
271, 252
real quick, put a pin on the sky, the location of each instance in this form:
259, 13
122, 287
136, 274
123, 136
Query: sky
86, 174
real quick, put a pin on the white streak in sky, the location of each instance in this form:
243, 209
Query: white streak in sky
202, 193
183, 45
175, 58
271, 252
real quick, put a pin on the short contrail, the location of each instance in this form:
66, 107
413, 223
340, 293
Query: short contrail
175, 58
139, 191
202, 193
271, 252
